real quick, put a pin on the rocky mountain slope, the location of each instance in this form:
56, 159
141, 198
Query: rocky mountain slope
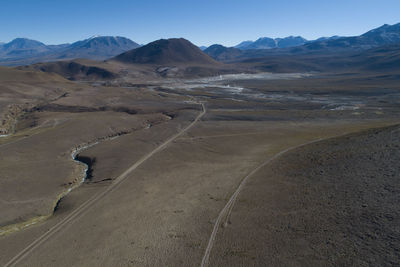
22, 51
166, 52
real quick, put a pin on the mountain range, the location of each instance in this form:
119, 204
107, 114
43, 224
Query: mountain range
22, 51
382, 36
267, 43
386, 34
180, 58
175, 57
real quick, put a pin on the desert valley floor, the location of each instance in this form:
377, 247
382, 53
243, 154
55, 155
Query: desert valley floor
231, 170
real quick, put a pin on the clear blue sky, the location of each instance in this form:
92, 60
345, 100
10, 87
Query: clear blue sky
203, 22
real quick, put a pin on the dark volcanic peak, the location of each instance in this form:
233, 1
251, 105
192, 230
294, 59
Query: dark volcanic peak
166, 51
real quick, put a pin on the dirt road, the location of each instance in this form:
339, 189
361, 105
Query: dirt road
84, 207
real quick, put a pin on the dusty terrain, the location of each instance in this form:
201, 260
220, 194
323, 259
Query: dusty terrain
331, 203
163, 166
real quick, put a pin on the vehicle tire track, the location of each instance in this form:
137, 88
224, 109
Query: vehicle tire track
84, 206
223, 216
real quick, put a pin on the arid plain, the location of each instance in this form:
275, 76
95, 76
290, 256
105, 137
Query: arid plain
223, 170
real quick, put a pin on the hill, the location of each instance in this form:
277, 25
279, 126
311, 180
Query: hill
384, 58
21, 90
222, 53
27, 76
166, 52
380, 59
72, 70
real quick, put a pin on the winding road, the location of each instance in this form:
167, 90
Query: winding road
88, 203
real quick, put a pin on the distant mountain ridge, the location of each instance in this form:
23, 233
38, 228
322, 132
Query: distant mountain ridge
381, 36
22, 47
327, 38
98, 47
384, 35
243, 44
268, 43
22, 51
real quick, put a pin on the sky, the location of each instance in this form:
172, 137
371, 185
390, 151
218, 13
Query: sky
204, 22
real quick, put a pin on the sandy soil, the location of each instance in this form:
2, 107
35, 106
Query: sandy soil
36, 167
331, 203
26, 159
168, 210
163, 213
